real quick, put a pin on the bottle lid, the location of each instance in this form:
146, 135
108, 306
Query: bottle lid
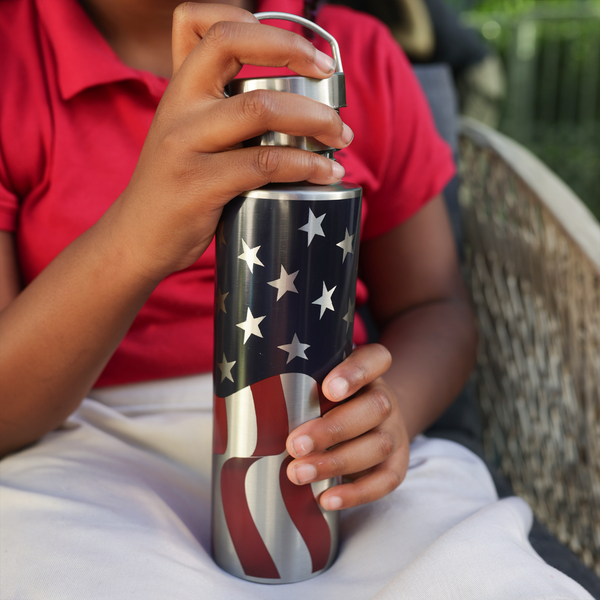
331, 91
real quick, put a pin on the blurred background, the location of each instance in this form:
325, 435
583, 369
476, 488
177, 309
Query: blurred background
550, 53
530, 68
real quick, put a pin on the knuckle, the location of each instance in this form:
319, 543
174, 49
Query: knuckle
174, 149
334, 431
258, 105
392, 480
315, 162
172, 144
268, 161
329, 121
364, 495
337, 465
361, 374
183, 12
333, 121
385, 443
300, 46
381, 404
219, 33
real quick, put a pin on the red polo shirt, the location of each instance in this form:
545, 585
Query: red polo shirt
73, 119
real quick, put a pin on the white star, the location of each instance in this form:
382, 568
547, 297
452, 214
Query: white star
221, 301
296, 348
349, 316
347, 244
226, 369
250, 326
249, 255
285, 283
325, 300
313, 227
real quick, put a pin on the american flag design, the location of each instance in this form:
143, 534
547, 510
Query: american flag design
284, 311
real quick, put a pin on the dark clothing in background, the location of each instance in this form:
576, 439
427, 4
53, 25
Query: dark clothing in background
455, 44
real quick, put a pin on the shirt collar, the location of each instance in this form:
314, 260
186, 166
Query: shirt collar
84, 59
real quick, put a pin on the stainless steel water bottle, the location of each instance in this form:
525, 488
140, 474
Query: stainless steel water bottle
286, 268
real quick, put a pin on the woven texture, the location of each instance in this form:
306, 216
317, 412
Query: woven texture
537, 296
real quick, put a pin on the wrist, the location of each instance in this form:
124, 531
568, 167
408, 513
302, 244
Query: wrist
154, 244
112, 244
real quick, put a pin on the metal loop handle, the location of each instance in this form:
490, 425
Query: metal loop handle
335, 49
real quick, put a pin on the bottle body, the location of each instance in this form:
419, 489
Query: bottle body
286, 269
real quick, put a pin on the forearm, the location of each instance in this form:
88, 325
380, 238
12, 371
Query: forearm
433, 352
59, 333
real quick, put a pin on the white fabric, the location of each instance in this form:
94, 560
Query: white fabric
116, 505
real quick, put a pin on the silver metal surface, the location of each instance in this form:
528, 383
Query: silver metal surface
274, 138
299, 385
305, 191
331, 91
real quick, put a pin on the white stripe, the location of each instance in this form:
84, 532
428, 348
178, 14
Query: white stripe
301, 398
285, 544
241, 424
332, 517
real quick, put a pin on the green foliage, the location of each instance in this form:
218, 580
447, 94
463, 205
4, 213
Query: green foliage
551, 53
522, 7
575, 158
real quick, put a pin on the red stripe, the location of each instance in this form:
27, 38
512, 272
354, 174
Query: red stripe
271, 416
251, 550
304, 511
326, 405
219, 426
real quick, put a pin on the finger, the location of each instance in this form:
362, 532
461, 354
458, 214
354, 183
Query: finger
245, 116
192, 20
344, 422
227, 45
358, 454
363, 366
380, 481
231, 173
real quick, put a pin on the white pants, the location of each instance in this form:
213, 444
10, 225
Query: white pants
116, 505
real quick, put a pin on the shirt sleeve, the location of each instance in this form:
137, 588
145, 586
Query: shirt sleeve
415, 163
9, 202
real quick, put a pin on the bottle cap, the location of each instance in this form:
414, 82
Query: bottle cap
331, 91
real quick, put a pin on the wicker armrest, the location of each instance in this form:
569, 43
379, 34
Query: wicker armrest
533, 265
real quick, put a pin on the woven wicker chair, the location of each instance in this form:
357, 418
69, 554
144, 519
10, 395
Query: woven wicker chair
532, 255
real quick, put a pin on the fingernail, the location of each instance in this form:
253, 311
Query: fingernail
305, 473
347, 135
324, 62
337, 170
338, 388
302, 445
331, 503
